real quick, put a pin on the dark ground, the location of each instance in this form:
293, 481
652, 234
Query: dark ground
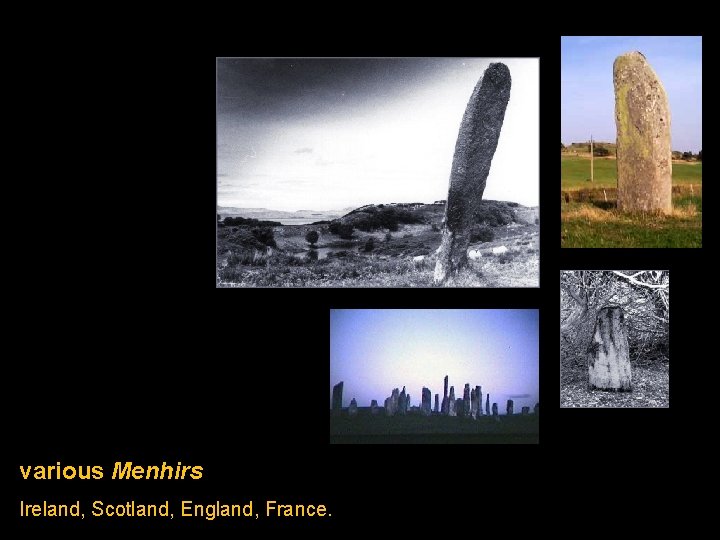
366, 429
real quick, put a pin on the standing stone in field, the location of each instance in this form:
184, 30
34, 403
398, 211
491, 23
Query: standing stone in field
525, 411
460, 407
487, 405
402, 402
451, 402
466, 401
510, 407
473, 403
374, 407
437, 403
642, 118
445, 407
337, 397
495, 412
407, 403
478, 393
426, 398
352, 409
537, 408
474, 150
608, 354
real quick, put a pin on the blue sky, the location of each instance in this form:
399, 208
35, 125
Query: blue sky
588, 101
376, 350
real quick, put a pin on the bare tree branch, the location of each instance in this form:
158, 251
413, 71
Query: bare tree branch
634, 281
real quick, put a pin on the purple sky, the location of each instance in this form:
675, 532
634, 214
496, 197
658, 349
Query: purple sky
376, 350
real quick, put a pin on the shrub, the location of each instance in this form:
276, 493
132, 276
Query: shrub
264, 235
600, 151
370, 244
345, 230
311, 237
482, 233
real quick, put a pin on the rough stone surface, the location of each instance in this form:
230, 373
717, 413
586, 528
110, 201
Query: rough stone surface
644, 153
525, 411
509, 407
337, 397
474, 150
487, 405
437, 403
608, 353
451, 402
352, 409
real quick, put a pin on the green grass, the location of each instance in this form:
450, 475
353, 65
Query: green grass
588, 226
576, 173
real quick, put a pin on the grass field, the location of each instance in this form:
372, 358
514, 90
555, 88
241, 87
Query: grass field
576, 173
590, 218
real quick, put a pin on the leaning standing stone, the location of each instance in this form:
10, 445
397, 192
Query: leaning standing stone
644, 154
474, 150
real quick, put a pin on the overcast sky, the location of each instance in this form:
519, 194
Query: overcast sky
588, 97
375, 350
327, 134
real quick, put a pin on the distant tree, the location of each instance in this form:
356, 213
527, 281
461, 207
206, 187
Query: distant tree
344, 230
700, 155
600, 151
687, 156
311, 237
264, 235
312, 255
370, 244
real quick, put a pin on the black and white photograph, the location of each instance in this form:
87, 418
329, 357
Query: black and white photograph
434, 376
377, 172
614, 338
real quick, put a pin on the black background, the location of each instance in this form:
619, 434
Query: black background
130, 353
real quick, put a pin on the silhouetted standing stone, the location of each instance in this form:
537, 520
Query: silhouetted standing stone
487, 405
437, 403
374, 406
426, 399
466, 401
509, 407
402, 402
525, 411
495, 412
460, 407
478, 407
451, 402
537, 408
608, 353
391, 403
474, 150
445, 393
473, 403
352, 409
644, 153
337, 397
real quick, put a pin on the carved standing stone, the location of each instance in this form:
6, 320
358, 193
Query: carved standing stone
474, 150
608, 353
644, 153
352, 409
510, 407
337, 397
426, 398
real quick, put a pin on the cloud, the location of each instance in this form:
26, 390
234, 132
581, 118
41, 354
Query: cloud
304, 150
518, 396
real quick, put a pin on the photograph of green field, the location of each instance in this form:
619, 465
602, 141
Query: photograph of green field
631, 142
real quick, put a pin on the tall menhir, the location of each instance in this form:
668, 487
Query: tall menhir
474, 150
